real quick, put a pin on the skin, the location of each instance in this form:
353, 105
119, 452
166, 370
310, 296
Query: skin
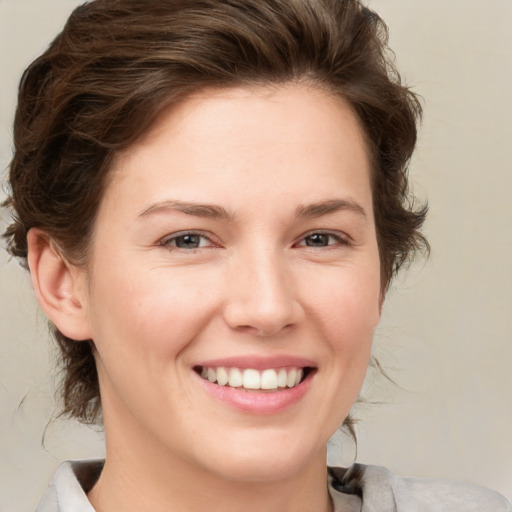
255, 287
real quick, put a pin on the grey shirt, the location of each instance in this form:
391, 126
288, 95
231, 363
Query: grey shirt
377, 490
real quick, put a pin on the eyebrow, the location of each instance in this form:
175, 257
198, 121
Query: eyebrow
197, 209
212, 211
331, 206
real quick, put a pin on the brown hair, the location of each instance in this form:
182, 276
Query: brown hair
118, 63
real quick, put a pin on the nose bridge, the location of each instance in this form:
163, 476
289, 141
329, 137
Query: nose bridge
261, 296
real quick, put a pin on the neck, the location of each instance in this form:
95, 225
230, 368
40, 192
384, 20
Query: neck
152, 480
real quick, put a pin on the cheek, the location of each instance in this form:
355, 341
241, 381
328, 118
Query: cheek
348, 303
142, 327
153, 314
348, 314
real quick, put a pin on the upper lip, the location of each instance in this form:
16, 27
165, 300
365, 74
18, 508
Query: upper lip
258, 362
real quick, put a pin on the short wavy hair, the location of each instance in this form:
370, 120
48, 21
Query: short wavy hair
118, 63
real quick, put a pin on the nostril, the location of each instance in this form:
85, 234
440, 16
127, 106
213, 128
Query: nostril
262, 330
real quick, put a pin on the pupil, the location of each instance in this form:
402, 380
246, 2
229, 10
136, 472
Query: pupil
317, 240
188, 241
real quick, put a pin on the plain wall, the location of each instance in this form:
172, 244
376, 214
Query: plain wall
446, 333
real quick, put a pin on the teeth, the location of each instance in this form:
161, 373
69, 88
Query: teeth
282, 378
212, 375
235, 378
222, 376
269, 379
292, 377
254, 379
251, 379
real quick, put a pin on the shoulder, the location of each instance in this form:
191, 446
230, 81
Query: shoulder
69, 486
382, 490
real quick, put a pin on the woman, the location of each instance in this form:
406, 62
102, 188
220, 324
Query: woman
212, 201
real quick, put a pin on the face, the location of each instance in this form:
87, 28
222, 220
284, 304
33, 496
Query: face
234, 286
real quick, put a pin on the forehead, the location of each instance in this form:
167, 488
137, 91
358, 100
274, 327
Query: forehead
282, 136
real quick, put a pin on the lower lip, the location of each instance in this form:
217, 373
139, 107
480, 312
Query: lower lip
258, 402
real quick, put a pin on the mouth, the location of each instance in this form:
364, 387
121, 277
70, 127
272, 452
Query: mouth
251, 379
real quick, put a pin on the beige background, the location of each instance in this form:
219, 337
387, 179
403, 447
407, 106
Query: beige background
446, 335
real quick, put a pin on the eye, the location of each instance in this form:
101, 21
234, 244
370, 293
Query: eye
321, 239
187, 241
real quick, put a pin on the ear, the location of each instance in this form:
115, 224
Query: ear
60, 287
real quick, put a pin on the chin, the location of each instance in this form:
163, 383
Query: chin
264, 459
260, 469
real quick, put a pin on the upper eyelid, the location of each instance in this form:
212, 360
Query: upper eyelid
172, 236
338, 234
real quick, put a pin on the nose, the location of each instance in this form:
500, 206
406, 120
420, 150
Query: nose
262, 296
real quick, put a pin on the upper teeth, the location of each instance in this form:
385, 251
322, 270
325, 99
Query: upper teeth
254, 379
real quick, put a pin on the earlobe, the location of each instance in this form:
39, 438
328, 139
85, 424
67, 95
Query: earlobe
60, 287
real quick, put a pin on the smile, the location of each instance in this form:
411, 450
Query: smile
252, 379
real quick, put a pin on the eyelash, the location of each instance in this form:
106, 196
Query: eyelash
170, 242
338, 238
